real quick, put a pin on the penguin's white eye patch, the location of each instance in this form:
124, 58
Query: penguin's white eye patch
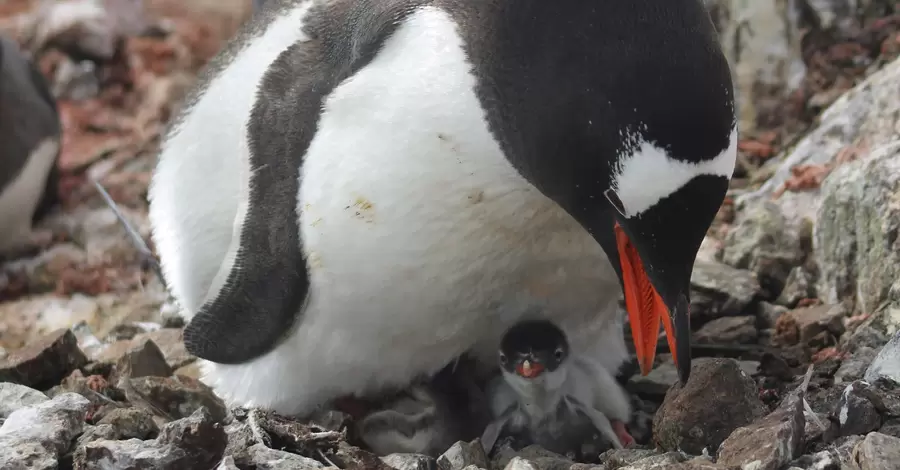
614, 200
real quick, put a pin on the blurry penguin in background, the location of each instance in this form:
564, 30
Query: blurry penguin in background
30, 135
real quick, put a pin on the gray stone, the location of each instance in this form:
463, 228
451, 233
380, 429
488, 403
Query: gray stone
764, 64
193, 442
463, 454
856, 243
657, 462
867, 114
97, 433
410, 462
655, 384
131, 423
803, 325
36, 437
764, 243
854, 366
179, 397
227, 464
143, 359
260, 457
719, 290
728, 330
719, 398
772, 441
171, 344
878, 452
839, 455
769, 314
518, 463
887, 362
44, 362
891, 427
855, 413
542, 458
14, 397
800, 284
616, 458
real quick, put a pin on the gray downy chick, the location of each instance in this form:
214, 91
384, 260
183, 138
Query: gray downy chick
558, 399
30, 136
430, 416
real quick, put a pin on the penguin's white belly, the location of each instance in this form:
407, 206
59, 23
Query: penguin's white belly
422, 241
19, 199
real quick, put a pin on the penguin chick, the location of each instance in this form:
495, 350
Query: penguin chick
429, 417
30, 136
557, 398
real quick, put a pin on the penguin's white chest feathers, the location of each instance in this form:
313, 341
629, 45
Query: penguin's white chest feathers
421, 239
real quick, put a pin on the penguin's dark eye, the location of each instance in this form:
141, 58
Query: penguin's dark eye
613, 199
558, 354
502, 359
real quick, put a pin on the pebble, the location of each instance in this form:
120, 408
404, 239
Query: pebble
887, 362
718, 399
855, 414
44, 362
41, 434
179, 397
131, 423
803, 325
260, 457
193, 442
15, 397
463, 454
772, 441
410, 462
728, 330
655, 384
854, 367
718, 290
878, 452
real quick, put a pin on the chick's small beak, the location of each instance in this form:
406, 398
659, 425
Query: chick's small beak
646, 309
529, 369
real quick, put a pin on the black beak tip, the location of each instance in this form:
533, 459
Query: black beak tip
682, 325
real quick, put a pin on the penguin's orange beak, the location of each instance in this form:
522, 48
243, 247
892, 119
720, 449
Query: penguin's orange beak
529, 369
646, 308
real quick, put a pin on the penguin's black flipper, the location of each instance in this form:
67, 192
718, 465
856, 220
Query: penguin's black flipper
264, 295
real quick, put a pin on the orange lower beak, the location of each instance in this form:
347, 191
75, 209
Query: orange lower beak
646, 308
529, 369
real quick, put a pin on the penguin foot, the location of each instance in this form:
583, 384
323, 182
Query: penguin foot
622, 433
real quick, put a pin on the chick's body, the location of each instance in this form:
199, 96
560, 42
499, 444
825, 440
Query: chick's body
556, 399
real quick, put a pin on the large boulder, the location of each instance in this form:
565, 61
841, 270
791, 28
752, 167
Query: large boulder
856, 234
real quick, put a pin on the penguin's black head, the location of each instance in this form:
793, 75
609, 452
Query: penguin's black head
533, 347
621, 112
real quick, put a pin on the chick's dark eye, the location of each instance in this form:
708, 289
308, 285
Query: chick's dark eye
558, 354
502, 359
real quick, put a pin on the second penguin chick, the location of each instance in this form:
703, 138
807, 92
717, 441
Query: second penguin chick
557, 398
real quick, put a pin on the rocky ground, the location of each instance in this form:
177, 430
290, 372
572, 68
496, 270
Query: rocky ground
796, 292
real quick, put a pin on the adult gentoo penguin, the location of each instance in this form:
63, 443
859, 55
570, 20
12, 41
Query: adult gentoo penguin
29, 148
359, 191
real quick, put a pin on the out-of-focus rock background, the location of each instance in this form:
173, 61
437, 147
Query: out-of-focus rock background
801, 268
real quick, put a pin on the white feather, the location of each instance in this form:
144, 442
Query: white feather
20, 198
